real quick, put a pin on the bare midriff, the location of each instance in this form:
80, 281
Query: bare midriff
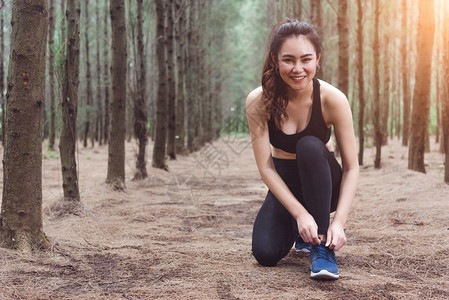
279, 153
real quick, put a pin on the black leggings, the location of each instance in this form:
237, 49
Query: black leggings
314, 179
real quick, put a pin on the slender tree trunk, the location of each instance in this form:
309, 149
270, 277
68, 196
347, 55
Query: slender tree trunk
189, 62
2, 72
421, 94
88, 74
361, 122
405, 75
376, 111
171, 83
106, 74
21, 225
116, 157
99, 121
199, 62
69, 103
180, 92
140, 109
298, 9
319, 24
445, 107
162, 94
51, 60
343, 46
386, 85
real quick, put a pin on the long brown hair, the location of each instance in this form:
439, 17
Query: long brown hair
274, 89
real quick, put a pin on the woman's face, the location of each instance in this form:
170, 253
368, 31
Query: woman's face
297, 61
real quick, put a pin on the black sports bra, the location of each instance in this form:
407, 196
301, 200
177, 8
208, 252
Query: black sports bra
316, 127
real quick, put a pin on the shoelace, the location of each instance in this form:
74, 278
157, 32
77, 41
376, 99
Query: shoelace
324, 253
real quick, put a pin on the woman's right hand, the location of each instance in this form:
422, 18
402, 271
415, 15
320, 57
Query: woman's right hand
308, 229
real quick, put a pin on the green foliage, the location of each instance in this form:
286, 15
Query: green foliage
51, 155
244, 53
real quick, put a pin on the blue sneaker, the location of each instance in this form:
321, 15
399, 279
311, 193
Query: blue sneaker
324, 263
301, 246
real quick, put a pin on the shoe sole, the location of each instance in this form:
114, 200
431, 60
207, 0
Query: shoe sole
324, 274
303, 250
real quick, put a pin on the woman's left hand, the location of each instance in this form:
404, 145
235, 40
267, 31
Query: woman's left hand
336, 237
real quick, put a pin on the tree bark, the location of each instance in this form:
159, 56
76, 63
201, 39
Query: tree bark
69, 103
405, 76
99, 120
180, 84
21, 225
106, 75
318, 21
421, 94
445, 109
298, 9
376, 111
386, 84
88, 75
140, 109
361, 86
116, 157
162, 94
343, 46
171, 83
2, 73
51, 60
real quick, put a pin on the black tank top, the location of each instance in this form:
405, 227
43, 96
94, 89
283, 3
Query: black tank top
316, 127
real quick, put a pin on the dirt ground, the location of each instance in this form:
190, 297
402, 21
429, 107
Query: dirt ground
186, 233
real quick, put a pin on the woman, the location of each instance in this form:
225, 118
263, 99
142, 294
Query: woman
294, 112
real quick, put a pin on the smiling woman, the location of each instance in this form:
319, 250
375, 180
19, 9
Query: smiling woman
305, 181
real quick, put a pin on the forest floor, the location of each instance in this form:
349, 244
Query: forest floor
186, 233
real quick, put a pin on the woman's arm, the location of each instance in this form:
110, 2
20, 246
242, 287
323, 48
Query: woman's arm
258, 128
337, 111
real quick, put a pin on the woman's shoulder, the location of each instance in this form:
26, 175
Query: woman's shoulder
254, 99
255, 95
255, 106
330, 95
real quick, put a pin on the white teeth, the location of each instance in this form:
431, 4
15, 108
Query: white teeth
298, 78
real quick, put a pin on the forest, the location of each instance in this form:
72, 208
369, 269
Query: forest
103, 99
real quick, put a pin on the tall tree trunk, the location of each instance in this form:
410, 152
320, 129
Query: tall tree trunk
343, 51
2, 72
421, 94
116, 157
162, 94
180, 91
376, 111
99, 121
298, 9
106, 74
445, 105
319, 24
405, 75
361, 121
189, 62
69, 103
88, 75
343, 46
171, 83
140, 108
21, 224
51, 60
386, 84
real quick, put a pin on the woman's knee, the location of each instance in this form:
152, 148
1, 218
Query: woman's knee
265, 257
309, 147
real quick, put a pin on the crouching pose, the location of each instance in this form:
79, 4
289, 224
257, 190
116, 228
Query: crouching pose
294, 112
